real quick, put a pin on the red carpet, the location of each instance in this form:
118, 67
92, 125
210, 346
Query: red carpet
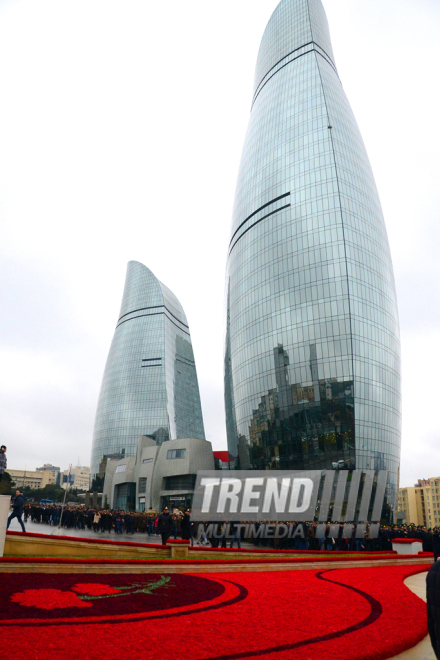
358, 613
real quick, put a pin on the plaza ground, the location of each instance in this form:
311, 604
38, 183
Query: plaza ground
416, 583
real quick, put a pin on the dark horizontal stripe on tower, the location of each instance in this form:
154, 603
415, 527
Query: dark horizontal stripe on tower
326, 57
151, 359
144, 366
255, 213
257, 222
140, 316
143, 309
309, 43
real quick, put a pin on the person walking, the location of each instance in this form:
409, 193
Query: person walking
3, 461
186, 525
17, 510
235, 535
433, 606
165, 525
201, 534
436, 543
96, 521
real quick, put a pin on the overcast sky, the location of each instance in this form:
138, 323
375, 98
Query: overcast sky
121, 129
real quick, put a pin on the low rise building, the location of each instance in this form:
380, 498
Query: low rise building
31, 478
420, 504
158, 476
51, 468
77, 478
224, 460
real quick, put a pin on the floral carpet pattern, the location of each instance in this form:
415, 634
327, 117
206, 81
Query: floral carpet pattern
361, 613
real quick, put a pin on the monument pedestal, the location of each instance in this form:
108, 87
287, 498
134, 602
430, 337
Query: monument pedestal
179, 549
5, 501
407, 546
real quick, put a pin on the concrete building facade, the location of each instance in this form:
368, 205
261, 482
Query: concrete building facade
158, 475
79, 478
32, 478
51, 468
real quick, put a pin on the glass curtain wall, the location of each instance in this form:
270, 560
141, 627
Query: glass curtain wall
312, 359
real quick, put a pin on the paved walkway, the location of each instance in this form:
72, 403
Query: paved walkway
422, 650
138, 537
42, 528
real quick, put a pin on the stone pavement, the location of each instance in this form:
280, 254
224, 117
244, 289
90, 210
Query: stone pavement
423, 650
42, 528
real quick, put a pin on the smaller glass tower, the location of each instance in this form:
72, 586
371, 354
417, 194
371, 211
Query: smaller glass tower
150, 381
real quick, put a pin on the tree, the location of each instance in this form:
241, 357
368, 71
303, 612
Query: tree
49, 492
6, 484
97, 484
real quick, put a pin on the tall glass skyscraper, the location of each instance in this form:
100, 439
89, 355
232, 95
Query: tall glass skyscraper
312, 360
150, 381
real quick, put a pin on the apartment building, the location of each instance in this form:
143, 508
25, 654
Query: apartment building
31, 478
420, 504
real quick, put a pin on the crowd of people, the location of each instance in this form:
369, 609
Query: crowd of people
100, 520
178, 524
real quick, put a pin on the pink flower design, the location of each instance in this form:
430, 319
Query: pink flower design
48, 599
91, 589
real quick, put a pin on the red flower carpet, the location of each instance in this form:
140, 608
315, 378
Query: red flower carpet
360, 613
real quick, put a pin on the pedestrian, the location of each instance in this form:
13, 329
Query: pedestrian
433, 604
186, 525
96, 521
436, 543
17, 510
175, 526
165, 525
3, 461
235, 535
201, 534
118, 524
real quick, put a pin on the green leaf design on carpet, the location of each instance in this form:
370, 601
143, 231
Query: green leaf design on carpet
149, 589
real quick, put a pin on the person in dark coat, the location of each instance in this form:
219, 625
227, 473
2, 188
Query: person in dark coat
165, 525
436, 543
433, 605
186, 525
3, 461
235, 531
17, 510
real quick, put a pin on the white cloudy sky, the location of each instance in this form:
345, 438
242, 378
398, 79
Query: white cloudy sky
121, 128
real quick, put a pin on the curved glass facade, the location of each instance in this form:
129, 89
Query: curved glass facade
150, 382
312, 360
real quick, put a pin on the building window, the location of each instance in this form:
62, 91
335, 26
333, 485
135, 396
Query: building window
180, 482
142, 485
120, 468
147, 460
176, 453
125, 496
